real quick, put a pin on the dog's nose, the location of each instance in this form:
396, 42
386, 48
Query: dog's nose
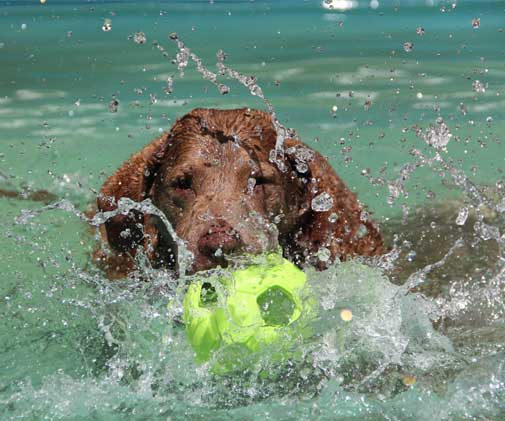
219, 236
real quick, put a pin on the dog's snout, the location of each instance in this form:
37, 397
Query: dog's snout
219, 236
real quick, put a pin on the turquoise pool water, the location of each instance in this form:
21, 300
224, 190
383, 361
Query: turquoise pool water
375, 86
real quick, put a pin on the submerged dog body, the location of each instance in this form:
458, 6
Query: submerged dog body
212, 178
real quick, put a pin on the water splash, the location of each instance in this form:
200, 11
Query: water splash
124, 206
182, 58
133, 359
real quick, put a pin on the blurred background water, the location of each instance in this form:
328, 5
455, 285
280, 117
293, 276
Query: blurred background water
370, 85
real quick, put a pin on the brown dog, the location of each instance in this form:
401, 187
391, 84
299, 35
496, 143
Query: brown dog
212, 178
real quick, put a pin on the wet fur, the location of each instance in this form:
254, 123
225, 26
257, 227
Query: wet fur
198, 174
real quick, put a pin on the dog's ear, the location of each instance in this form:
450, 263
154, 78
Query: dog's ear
133, 180
330, 223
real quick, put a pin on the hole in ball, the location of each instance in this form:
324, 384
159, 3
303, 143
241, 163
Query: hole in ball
208, 295
276, 306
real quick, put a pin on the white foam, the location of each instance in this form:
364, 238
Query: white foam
7, 111
288, 73
431, 105
31, 95
345, 96
148, 67
92, 107
490, 106
80, 131
333, 126
172, 102
370, 73
334, 17
434, 80
16, 123
164, 76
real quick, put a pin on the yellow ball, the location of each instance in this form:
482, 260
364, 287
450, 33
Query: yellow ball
239, 314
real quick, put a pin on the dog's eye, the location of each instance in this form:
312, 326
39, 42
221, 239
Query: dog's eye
182, 183
260, 181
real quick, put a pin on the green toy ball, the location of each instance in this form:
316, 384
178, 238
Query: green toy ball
240, 314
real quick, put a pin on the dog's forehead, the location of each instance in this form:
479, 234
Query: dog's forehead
204, 150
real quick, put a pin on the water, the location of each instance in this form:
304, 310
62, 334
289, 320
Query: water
405, 100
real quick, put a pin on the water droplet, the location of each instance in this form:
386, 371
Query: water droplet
364, 216
139, 38
23, 26
333, 217
420, 31
478, 86
476, 23
408, 46
223, 89
302, 167
113, 106
323, 254
411, 256
438, 136
362, 231
394, 193
107, 25
322, 202
462, 216
251, 183
487, 232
